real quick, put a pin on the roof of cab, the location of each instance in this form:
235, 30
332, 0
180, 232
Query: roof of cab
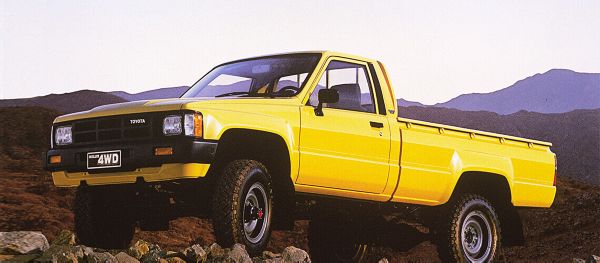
325, 53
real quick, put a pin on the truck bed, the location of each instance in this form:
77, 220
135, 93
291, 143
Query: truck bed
434, 156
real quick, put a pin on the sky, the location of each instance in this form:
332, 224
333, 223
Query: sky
433, 50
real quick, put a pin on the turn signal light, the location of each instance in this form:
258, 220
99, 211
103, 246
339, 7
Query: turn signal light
55, 159
163, 151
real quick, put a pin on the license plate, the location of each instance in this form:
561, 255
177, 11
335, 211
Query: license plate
104, 159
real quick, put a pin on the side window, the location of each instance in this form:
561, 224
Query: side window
352, 83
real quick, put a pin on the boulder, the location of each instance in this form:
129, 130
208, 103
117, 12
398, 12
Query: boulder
123, 257
239, 254
65, 258
593, 259
154, 255
65, 252
215, 253
65, 237
578, 260
383, 260
140, 248
101, 257
195, 253
18, 258
296, 255
270, 255
22, 242
175, 260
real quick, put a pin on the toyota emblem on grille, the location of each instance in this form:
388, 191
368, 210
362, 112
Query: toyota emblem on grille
137, 121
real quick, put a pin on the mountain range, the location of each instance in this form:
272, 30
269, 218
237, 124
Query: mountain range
555, 91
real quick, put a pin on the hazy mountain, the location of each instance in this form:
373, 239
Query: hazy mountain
408, 103
575, 135
67, 102
162, 93
557, 90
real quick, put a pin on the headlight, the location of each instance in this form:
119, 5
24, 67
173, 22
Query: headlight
172, 125
193, 124
63, 135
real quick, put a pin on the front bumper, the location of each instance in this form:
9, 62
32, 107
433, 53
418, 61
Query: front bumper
190, 159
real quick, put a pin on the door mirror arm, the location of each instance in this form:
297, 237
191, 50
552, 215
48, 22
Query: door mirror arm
326, 96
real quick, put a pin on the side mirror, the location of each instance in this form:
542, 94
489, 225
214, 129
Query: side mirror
326, 96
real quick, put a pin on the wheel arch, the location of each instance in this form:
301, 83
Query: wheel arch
496, 188
270, 149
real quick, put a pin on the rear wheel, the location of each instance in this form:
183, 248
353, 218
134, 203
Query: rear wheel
473, 232
242, 206
99, 223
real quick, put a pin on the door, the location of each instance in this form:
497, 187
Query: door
348, 147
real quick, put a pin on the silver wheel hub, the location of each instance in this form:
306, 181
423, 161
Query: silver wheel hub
476, 237
255, 213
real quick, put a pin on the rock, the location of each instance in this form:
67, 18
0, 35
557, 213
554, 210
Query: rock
22, 242
140, 248
123, 257
195, 253
82, 252
65, 237
214, 253
578, 260
239, 254
267, 260
101, 257
270, 255
65, 252
65, 258
154, 255
294, 254
18, 258
593, 259
383, 260
175, 260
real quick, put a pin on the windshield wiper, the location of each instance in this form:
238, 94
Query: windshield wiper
233, 93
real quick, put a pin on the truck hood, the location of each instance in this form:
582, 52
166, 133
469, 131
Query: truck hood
161, 105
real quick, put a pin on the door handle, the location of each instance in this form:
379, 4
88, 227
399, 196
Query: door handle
375, 124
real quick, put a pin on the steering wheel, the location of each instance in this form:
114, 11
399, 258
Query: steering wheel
285, 91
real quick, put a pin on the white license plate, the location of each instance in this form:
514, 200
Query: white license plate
104, 159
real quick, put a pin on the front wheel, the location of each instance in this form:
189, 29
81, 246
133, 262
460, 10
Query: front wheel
242, 206
472, 233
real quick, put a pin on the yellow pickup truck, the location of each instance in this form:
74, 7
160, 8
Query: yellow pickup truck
258, 143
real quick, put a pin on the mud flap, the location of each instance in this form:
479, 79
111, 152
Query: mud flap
512, 227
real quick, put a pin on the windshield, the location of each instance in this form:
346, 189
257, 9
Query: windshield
276, 76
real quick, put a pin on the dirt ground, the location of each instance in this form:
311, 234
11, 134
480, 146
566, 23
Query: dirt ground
571, 228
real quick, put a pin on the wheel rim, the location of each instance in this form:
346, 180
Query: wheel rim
256, 213
476, 236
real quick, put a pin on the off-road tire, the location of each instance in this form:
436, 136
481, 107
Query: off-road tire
98, 224
229, 205
333, 236
451, 234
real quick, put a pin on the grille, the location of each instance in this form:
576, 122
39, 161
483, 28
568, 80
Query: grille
111, 129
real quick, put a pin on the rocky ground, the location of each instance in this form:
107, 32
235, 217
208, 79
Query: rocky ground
570, 229
24, 246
